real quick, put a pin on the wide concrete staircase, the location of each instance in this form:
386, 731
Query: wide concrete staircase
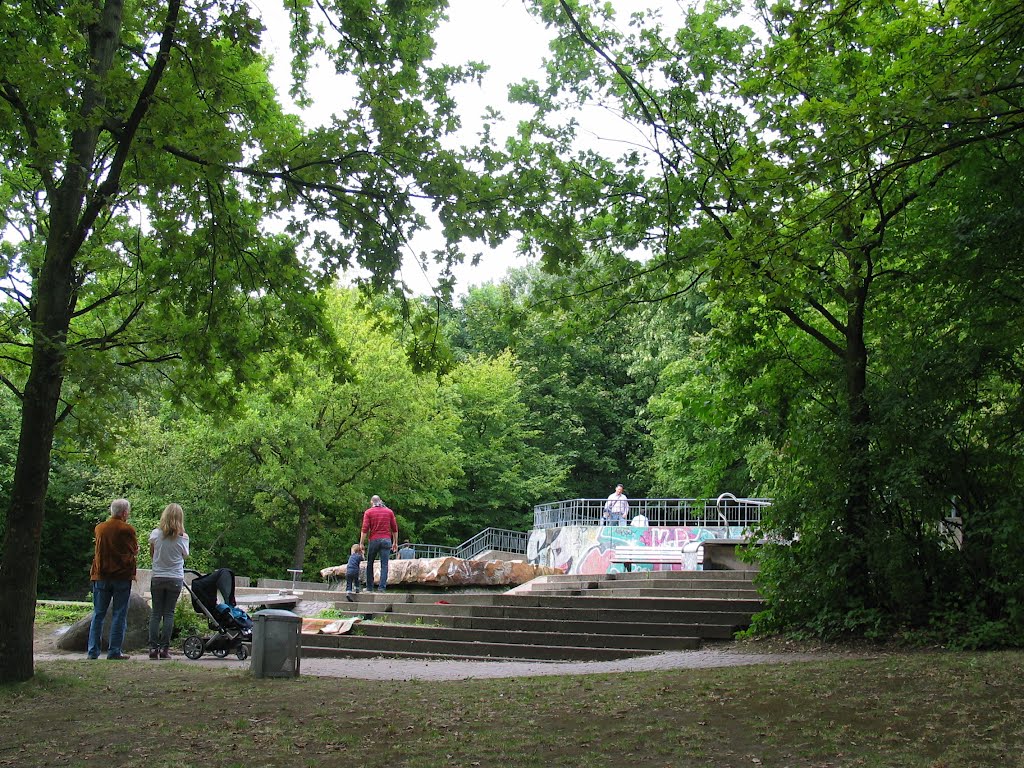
554, 618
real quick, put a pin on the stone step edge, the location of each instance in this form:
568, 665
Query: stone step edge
502, 650
518, 637
702, 630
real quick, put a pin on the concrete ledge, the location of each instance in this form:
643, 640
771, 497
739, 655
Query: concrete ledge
720, 555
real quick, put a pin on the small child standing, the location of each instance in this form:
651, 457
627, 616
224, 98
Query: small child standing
352, 570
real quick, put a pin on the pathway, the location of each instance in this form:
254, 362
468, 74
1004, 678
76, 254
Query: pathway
407, 669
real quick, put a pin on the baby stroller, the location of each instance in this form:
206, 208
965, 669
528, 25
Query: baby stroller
232, 625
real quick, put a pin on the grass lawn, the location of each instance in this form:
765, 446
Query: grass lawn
941, 710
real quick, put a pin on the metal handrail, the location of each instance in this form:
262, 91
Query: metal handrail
499, 539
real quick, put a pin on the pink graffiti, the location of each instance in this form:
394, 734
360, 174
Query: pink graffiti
595, 560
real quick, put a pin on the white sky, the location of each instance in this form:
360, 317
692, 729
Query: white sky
498, 32
513, 44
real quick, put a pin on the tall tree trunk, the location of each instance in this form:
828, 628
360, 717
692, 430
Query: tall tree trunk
856, 526
20, 565
302, 534
54, 292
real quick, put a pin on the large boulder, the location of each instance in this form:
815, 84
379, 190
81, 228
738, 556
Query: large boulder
452, 572
76, 638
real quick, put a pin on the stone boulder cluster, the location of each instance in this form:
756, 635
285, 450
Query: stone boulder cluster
451, 572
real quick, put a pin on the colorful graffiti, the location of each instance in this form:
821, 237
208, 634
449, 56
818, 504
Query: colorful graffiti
589, 549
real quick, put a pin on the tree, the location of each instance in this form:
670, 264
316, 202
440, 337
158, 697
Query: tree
573, 370
318, 441
804, 156
504, 471
142, 149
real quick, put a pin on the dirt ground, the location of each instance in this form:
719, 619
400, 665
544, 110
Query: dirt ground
385, 668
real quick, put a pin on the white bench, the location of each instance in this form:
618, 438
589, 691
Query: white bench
647, 555
656, 555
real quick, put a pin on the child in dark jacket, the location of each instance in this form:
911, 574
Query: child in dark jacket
352, 570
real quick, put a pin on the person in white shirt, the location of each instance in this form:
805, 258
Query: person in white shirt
639, 521
616, 508
168, 546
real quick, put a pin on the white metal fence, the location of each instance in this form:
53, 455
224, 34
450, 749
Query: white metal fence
725, 511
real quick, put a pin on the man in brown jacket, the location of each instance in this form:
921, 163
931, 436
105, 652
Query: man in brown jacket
113, 571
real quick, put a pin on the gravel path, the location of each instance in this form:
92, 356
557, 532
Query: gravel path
409, 669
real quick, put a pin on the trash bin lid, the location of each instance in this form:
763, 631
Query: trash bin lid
276, 613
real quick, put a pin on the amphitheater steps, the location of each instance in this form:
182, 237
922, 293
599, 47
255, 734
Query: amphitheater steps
559, 618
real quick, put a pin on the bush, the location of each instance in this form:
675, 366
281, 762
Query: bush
187, 621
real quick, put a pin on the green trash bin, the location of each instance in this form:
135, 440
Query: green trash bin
276, 643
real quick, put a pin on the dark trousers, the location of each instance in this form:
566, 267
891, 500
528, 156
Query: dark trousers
381, 548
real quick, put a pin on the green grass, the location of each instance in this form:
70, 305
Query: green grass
58, 612
907, 709
334, 613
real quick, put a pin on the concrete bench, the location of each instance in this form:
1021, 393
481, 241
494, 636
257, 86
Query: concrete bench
721, 555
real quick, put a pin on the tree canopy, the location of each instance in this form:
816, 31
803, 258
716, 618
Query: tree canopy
144, 151
800, 277
811, 174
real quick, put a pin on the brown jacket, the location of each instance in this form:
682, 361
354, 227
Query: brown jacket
116, 551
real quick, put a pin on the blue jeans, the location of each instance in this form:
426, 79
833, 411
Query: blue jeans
165, 593
105, 592
351, 577
377, 547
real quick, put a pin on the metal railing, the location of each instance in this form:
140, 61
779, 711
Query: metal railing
726, 510
433, 550
498, 539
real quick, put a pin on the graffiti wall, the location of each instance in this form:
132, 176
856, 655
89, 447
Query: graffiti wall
588, 549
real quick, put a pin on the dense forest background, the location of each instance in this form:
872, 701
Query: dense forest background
505, 404
801, 278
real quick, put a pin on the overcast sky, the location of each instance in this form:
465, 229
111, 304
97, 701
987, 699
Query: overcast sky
497, 32
513, 44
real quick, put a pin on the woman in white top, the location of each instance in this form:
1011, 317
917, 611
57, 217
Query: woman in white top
168, 546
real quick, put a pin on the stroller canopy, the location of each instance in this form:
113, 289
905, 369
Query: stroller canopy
205, 589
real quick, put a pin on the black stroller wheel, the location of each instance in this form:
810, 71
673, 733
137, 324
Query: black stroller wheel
242, 653
193, 647
220, 653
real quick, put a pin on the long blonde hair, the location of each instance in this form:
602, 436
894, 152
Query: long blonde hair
172, 521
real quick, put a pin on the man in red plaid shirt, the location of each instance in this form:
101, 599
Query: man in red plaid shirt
381, 527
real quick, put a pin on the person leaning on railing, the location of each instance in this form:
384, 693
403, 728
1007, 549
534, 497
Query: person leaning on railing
616, 508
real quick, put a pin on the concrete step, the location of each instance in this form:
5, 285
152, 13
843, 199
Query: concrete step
631, 591
662, 584
591, 599
372, 653
642, 610
735, 620
326, 645
397, 626
704, 631
695, 577
637, 593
